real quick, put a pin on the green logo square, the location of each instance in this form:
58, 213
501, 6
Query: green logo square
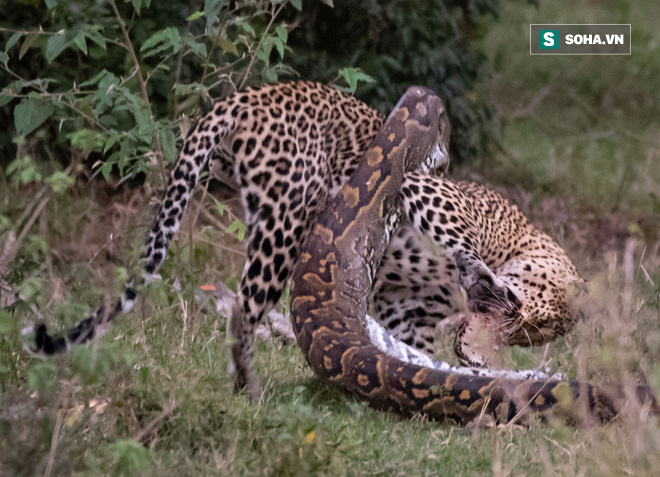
548, 39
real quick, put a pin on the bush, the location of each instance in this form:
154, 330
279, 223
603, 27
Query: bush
113, 78
114, 82
404, 42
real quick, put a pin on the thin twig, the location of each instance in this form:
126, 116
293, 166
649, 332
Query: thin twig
129, 47
628, 275
30, 222
159, 417
53, 444
143, 84
533, 103
275, 12
63, 401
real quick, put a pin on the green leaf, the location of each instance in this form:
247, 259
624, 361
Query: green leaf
154, 40
157, 50
186, 89
279, 44
56, 45
228, 46
23, 171
95, 79
4, 98
88, 140
129, 457
112, 140
31, 288
106, 168
60, 181
270, 74
655, 203
144, 372
27, 44
173, 36
94, 35
263, 53
352, 76
196, 48
220, 206
79, 41
238, 227
7, 323
41, 376
246, 27
168, 143
4, 57
170, 34
30, 114
282, 33
212, 8
328, 3
195, 16
137, 5
297, 4
12, 40
143, 120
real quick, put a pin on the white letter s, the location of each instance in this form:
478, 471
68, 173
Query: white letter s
549, 38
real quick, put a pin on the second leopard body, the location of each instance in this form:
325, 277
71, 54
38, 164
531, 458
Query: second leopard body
418, 284
335, 274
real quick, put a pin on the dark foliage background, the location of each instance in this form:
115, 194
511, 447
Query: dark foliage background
398, 43
404, 42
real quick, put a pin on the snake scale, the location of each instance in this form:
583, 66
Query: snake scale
333, 278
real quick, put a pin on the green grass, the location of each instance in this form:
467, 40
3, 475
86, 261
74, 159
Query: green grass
166, 385
586, 126
579, 153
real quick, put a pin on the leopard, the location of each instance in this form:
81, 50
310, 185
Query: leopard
289, 148
524, 285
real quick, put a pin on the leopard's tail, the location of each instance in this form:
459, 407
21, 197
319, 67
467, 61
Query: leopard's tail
199, 145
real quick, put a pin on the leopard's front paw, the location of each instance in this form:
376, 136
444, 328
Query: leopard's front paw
487, 294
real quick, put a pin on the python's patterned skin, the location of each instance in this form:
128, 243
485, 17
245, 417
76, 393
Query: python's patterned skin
331, 283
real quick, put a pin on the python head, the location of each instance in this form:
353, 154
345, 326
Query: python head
428, 130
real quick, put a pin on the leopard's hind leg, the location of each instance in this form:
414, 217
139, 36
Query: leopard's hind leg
279, 208
199, 146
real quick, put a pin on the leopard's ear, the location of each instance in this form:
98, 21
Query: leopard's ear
577, 289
